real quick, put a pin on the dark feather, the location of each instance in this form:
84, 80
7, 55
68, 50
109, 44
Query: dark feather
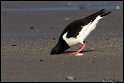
74, 27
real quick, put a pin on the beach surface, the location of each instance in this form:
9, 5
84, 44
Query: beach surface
27, 39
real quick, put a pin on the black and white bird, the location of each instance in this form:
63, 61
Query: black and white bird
77, 31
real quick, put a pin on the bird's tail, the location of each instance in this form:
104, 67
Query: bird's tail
103, 12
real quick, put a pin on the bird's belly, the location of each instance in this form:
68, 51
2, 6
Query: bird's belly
70, 41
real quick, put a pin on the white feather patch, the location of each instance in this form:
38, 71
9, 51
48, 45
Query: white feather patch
70, 41
86, 30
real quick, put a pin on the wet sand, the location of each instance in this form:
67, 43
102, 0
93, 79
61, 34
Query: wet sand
25, 51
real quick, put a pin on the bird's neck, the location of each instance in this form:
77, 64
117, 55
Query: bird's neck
62, 45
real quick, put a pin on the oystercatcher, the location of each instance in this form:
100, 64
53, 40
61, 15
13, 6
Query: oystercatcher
77, 31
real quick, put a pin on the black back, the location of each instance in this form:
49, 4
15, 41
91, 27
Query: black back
74, 27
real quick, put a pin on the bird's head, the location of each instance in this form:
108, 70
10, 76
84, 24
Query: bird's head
60, 47
55, 50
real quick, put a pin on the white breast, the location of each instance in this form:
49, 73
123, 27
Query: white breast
86, 30
70, 41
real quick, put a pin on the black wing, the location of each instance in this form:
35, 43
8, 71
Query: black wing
74, 27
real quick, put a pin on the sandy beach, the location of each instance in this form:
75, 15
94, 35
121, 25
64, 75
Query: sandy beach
27, 39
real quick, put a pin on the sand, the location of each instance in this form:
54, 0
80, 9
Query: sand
25, 51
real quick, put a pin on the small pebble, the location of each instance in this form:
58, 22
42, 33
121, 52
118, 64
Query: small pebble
92, 48
41, 60
37, 30
95, 56
13, 45
67, 18
117, 7
31, 27
93, 62
106, 39
52, 27
81, 7
53, 38
79, 54
69, 3
70, 78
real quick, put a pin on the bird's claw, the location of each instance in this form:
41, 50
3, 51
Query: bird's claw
74, 53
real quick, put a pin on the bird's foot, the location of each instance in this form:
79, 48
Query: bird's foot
77, 53
73, 53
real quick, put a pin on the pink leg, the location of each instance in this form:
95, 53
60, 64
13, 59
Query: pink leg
78, 51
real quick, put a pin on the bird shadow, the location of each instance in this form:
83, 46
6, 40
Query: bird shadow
85, 51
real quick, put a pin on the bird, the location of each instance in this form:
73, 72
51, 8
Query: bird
77, 31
